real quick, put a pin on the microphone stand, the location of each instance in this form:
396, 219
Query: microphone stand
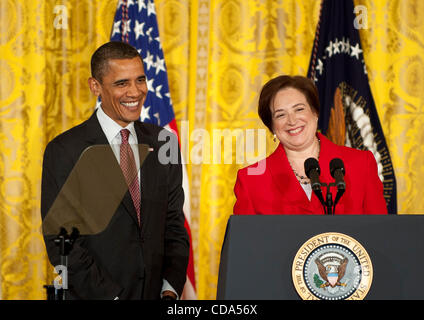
329, 206
329, 200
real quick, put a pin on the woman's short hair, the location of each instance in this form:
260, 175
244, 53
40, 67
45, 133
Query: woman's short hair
270, 89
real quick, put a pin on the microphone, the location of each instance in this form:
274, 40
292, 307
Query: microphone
337, 171
313, 171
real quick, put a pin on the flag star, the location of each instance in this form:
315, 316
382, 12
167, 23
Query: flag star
347, 46
156, 115
128, 3
149, 60
127, 27
116, 27
148, 33
365, 67
336, 48
151, 8
150, 85
343, 45
144, 113
329, 49
160, 65
157, 89
355, 51
141, 5
160, 43
320, 66
138, 29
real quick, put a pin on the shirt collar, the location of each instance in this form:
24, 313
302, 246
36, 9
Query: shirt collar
111, 129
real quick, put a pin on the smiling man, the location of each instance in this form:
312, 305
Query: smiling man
143, 252
121, 84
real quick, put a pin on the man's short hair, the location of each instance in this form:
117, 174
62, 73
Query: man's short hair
110, 50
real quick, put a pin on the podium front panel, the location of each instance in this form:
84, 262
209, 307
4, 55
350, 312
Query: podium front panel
258, 253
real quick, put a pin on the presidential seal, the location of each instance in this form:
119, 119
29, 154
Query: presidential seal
332, 266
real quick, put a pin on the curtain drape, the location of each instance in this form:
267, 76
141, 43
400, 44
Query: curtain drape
218, 55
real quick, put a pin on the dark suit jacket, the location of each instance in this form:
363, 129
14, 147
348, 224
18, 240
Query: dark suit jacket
123, 260
277, 190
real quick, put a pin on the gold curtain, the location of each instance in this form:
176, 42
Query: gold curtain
218, 54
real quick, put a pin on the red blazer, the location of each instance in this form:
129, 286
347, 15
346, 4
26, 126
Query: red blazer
277, 190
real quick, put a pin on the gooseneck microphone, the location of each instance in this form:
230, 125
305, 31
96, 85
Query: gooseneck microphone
337, 171
313, 171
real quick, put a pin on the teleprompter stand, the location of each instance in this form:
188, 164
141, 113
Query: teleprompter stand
64, 242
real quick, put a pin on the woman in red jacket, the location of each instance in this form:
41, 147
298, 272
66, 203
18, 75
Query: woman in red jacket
289, 107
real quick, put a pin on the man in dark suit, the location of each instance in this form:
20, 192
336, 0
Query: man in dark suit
143, 252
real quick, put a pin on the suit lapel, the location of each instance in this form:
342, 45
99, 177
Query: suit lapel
94, 133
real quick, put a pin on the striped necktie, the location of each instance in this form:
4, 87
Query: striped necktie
127, 163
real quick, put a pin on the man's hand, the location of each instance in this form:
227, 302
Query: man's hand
169, 295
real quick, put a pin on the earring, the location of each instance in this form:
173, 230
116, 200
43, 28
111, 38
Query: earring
275, 138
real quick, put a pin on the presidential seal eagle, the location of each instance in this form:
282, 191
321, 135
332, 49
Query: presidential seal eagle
332, 274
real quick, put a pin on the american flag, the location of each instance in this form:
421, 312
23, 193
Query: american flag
135, 23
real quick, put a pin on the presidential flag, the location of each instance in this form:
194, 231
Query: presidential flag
135, 23
348, 115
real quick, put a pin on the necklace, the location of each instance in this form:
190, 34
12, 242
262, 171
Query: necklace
300, 178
